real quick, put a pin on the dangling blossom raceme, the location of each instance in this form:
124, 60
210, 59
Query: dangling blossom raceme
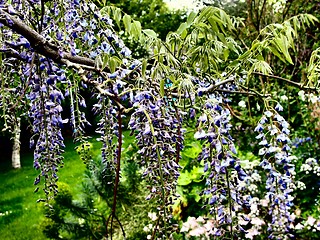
222, 169
155, 125
273, 134
45, 111
40, 77
107, 128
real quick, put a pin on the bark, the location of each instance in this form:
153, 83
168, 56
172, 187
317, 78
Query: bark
16, 146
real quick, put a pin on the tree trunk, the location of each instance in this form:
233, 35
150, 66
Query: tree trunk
16, 146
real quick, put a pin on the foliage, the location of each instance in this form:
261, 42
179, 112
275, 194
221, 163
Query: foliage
151, 14
146, 14
199, 78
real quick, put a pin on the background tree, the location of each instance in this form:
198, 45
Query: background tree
150, 14
153, 15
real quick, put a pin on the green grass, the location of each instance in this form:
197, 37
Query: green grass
20, 216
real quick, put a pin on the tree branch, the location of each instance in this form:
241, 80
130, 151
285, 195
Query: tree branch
295, 84
239, 92
40, 44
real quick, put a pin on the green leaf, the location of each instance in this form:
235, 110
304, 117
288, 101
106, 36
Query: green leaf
192, 150
216, 20
260, 57
172, 78
190, 18
276, 53
261, 66
206, 13
226, 54
127, 22
232, 46
281, 43
222, 38
105, 61
184, 34
196, 190
182, 27
136, 29
245, 55
144, 67
214, 25
196, 174
150, 33
255, 44
162, 87
184, 179
117, 16
114, 63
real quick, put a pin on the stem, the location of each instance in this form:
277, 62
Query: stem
118, 164
155, 229
230, 203
249, 107
42, 15
261, 14
116, 184
179, 139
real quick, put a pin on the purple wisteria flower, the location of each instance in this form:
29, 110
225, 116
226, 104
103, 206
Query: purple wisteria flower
156, 127
221, 166
45, 111
273, 134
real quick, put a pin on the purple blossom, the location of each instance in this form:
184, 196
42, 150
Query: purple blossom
273, 148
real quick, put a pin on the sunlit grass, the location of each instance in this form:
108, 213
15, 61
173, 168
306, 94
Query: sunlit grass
18, 207
20, 216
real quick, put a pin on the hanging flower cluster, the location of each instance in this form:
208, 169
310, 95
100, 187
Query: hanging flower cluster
84, 38
40, 77
107, 128
274, 139
45, 111
156, 125
222, 169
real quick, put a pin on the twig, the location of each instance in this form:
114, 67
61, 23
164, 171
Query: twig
236, 92
116, 184
299, 85
155, 229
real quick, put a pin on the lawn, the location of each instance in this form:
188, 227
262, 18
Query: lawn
20, 215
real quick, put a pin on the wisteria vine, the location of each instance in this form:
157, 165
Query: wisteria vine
56, 50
